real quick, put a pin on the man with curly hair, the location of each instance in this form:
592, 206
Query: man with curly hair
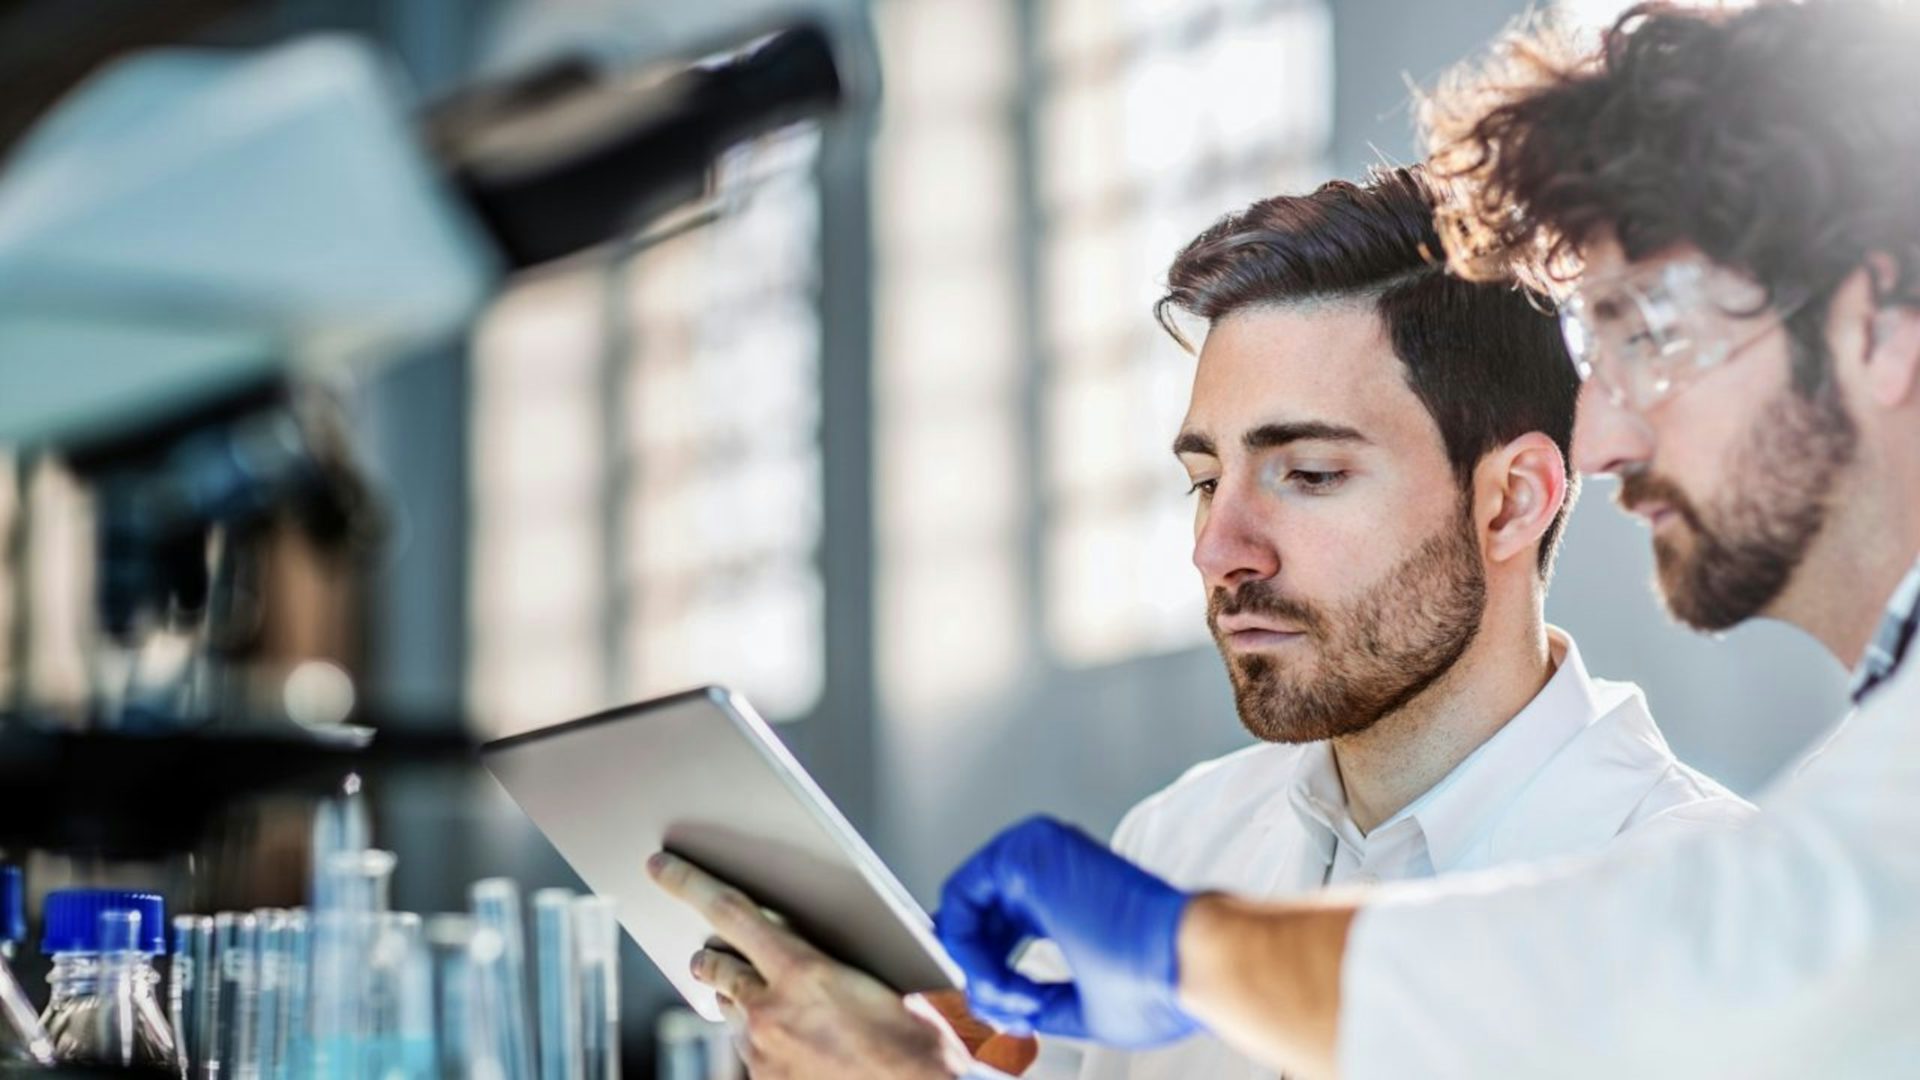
1726, 205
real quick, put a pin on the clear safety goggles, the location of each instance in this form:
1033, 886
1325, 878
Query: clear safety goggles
1645, 335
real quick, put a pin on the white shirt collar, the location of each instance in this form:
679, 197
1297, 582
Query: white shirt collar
1455, 812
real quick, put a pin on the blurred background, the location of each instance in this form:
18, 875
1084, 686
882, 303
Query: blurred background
880, 442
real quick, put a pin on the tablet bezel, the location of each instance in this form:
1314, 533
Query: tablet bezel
799, 789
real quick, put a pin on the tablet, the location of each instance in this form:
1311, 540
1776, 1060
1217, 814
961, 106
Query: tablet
700, 774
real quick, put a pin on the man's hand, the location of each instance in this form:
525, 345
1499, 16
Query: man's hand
803, 1014
1116, 924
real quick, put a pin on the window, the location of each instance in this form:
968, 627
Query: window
651, 520
947, 379
1155, 119
46, 585
950, 452
1037, 167
646, 465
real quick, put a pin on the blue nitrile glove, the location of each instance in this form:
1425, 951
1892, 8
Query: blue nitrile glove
1115, 923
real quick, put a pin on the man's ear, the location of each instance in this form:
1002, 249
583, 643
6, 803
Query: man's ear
1520, 488
1893, 356
1885, 339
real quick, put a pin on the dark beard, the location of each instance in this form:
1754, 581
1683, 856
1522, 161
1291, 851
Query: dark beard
1745, 548
1373, 657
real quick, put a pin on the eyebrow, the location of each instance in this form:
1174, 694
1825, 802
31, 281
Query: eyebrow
1269, 436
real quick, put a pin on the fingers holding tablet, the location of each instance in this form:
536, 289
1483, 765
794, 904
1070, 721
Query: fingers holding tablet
744, 925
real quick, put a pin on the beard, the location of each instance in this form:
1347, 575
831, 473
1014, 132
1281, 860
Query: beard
1372, 656
1737, 555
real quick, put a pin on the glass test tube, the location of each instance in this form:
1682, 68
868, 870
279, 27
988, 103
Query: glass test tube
119, 958
23, 1038
496, 906
339, 827
465, 1038
691, 1047
219, 1030
206, 1019
557, 971
239, 945
400, 999
355, 885
596, 938
296, 1014
271, 978
450, 944
188, 990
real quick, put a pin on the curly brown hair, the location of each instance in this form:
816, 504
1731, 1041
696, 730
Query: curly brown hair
1780, 139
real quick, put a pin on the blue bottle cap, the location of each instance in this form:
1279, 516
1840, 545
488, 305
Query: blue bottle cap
13, 905
73, 919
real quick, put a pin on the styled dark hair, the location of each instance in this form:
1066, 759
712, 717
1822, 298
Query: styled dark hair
1782, 140
1483, 358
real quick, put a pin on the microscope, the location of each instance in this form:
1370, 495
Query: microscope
199, 251
196, 250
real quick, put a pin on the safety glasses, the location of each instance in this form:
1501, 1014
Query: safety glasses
1644, 335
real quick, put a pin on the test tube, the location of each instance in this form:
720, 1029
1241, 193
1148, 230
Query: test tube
596, 939
188, 978
465, 1035
450, 945
339, 826
296, 1017
119, 953
399, 1000
23, 1038
271, 969
239, 934
206, 1018
691, 1047
355, 887
358, 882
496, 906
219, 1030
557, 971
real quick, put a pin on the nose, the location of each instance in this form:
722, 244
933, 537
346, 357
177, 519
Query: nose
1607, 437
1231, 545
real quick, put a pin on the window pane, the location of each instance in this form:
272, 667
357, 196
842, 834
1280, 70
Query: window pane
720, 505
647, 488
1120, 582
1198, 110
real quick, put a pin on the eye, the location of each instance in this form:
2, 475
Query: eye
1203, 488
1316, 482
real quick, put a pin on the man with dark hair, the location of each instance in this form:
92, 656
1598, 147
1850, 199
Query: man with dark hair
1377, 453
1724, 204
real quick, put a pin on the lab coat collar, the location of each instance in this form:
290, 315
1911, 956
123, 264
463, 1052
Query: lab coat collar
1455, 812
1463, 814
1317, 797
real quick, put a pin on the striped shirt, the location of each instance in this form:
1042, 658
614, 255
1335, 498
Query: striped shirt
1889, 642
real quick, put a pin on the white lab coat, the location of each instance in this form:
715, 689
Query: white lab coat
1578, 769
1790, 948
